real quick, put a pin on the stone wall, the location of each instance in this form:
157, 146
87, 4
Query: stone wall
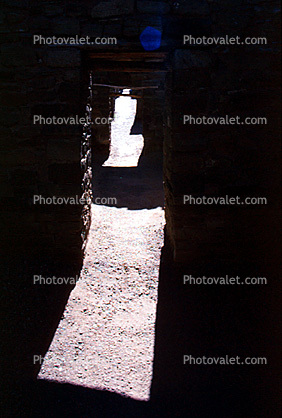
50, 81
222, 160
39, 159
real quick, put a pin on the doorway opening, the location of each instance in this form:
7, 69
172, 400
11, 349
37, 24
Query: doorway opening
125, 146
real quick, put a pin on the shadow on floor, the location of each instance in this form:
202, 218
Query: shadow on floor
215, 321
198, 321
133, 187
137, 127
51, 399
31, 314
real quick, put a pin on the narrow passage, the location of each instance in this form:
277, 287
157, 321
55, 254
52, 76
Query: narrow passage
105, 339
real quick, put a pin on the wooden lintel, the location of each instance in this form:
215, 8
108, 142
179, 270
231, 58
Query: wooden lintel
125, 87
129, 70
129, 56
134, 96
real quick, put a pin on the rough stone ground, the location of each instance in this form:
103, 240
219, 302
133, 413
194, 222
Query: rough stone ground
105, 339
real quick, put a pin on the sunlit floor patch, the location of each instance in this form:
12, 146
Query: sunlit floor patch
106, 337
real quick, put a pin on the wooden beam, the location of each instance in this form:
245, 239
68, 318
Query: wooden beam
125, 95
129, 70
125, 87
129, 56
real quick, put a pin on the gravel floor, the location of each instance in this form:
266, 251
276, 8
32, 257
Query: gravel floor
105, 339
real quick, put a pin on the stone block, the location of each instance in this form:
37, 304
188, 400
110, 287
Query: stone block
154, 7
184, 59
17, 56
192, 7
12, 99
22, 177
65, 173
174, 27
56, 151
62, 58
41, 96
112, 8
187, 164
76, 9
92, 29
131, 28
15, 17
65, 26
41, 24
154, 21
23, 4
113, 29
48, 8
68, 91
49, 110
9, 116
72, 75
45, 82
4, 27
